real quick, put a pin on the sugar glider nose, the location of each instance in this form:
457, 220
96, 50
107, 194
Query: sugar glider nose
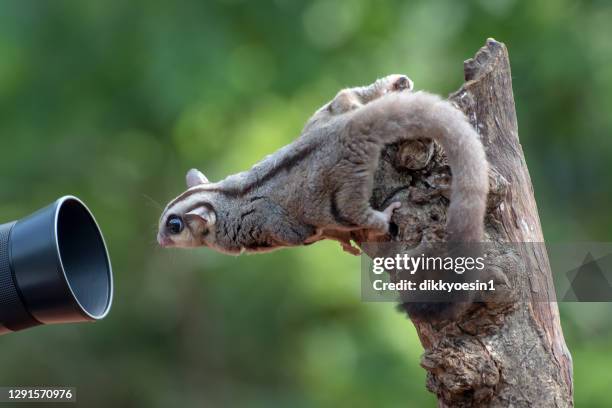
164, 241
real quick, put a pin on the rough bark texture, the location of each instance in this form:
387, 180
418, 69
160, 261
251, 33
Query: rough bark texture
507, 352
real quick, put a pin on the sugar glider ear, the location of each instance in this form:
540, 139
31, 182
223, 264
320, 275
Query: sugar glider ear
195, 177
203, 215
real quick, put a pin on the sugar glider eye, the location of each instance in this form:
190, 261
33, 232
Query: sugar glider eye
174, 224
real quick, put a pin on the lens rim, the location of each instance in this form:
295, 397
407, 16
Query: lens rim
60, 203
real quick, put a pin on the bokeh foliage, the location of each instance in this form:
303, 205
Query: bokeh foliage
113, 101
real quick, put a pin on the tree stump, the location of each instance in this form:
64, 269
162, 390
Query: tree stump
509, 352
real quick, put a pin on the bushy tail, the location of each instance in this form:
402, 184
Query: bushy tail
406, 116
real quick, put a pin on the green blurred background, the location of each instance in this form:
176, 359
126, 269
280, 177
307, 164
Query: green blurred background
113, 101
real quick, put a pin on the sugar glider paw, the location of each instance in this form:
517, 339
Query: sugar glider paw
390, 209
381, 220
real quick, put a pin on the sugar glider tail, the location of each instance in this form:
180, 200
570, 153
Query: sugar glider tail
407, 116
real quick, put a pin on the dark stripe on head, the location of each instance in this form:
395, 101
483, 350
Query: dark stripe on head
200, 204
187, 194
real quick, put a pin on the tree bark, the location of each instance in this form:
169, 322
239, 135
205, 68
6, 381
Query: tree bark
510, 351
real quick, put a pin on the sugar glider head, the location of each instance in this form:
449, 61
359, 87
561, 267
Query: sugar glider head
353, 98
189, 220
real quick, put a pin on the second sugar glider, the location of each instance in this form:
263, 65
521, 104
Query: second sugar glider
320, 185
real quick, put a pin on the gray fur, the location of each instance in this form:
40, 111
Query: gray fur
320, 185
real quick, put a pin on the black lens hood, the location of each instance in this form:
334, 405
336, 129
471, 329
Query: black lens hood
54, 268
